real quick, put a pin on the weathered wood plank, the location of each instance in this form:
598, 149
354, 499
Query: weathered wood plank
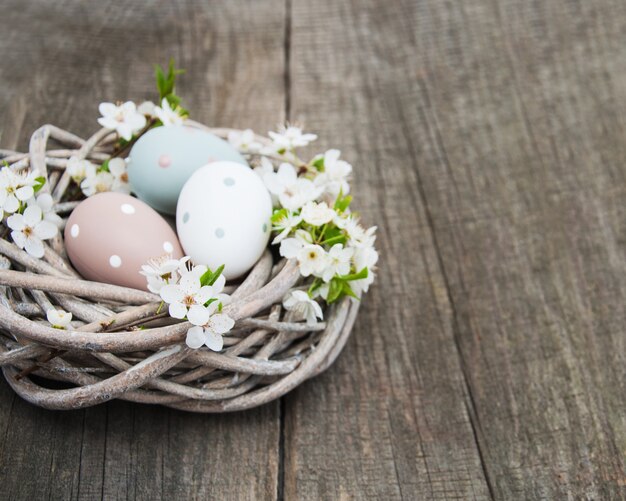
390, 420
520, 152
59, 61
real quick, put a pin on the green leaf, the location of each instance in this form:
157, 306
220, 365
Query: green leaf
166, 83
356, 276
318, 163
339, 287
209, 277
347, 291
342, 203
334, 290
212, 300
39, 182
160, 79
333, 235
317, 283
338, 239
173, 99
220, 307
279, 214
104, 167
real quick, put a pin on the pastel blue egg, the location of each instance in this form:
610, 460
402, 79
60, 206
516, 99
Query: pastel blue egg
162, 160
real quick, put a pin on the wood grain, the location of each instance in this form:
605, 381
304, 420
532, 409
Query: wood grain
493, 129
521, 158
391, 419
59, 61
487, 138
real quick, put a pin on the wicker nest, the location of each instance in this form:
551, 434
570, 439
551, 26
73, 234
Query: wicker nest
108, 356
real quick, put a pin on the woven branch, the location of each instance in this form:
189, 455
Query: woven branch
105, 356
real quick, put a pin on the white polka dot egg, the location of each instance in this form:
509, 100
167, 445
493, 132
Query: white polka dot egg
224, 217
109, 236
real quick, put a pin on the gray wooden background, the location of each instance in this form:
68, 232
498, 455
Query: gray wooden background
488, 140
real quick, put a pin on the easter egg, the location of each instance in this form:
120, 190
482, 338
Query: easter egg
224, 217
110, 235
161, 161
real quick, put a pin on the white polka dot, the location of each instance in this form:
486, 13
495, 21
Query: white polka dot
127, 209
74, 230
115, 261
168, 247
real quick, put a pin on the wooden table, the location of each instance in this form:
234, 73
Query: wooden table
488, 143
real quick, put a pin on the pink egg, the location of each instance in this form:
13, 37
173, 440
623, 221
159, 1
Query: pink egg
109, 236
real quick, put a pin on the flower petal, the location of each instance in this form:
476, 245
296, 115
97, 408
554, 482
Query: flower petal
34, 247
45, 230
24, 193
107, 109
221, 323
11, 204
286, 173
172, 294
190, 283
198, 315
290, 247
218, 286
117, 166
204, 294
45, 202
177, 310
32, 215
195, 337
214, 341
16, 222
19, 238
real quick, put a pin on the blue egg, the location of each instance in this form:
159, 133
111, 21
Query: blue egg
162, 160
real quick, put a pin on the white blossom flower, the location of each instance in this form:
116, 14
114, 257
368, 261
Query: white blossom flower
14, 189
357, 235
188, 296
265, 167
365, 257
292, 191
290, 247
210, 332
29, 229
77, 168
312, 260
117, 167
163, 270
361, 237
304, 308
146, 108
290, 137
167, 115
317, 214
285, 225
334, 179
46, 204
244, 140
96, 181
58, 318
338, 262
311, 257
123, 119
